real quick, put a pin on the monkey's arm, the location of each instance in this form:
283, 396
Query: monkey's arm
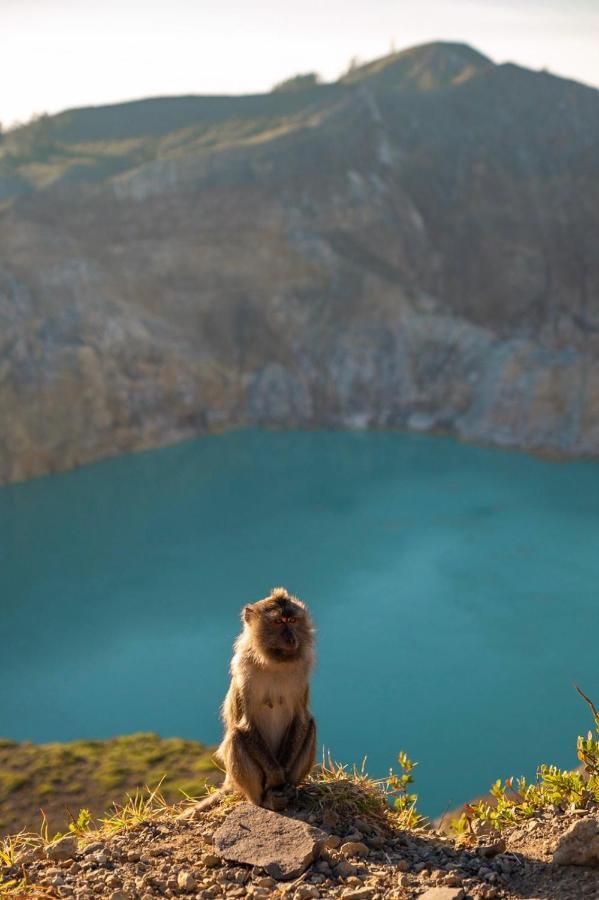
298, 750
247, 739
254, 744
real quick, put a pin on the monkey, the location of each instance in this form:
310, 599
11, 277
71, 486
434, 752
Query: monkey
269, 742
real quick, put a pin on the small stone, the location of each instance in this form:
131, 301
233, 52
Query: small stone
480, 828
305, 891
344, 869
266, 882
490, 850
64, 848
323, 867
330, 819
357, 893
354, 835
452, 881
375, 841
211, 860
442, 893
92, 848
27, 857
403, 865
354, 848
186, 881
332, 842
579, 845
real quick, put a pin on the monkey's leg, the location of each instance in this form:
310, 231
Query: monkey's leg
249, 764
298, 751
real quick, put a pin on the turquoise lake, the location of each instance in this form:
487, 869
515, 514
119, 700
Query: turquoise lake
455, 591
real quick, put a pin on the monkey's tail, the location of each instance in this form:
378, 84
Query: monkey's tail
202, 806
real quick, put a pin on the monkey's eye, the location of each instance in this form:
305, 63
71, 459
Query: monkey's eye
291, 620
277, 621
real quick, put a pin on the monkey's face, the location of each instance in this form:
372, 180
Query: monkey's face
280, 625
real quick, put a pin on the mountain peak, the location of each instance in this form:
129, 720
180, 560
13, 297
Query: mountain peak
424, 67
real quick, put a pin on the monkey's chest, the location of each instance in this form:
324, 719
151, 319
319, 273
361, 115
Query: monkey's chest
274, 714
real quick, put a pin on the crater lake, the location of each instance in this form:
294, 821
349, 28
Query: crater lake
454, 588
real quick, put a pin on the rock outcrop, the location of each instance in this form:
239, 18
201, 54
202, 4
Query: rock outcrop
284, 847
412, 247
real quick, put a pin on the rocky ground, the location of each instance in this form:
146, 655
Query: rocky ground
320, 848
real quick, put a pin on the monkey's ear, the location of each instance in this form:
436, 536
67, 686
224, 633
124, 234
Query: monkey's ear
247, 612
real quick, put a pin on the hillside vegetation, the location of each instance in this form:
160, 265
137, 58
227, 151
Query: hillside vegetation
61, 779
412, 246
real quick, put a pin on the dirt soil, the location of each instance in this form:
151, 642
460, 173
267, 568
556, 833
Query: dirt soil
169, 857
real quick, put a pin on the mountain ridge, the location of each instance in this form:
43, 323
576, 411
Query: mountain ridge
345, 256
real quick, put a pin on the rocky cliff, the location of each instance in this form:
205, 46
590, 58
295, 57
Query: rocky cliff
413, 246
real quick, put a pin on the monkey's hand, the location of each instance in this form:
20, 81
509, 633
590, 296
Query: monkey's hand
279, 798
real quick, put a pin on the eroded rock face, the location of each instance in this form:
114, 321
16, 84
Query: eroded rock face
579, 845
371, 263
282, 846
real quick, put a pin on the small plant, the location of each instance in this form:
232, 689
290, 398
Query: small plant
588, 748
82, 824
138, 807
553, 787
8, 849
347, 791
403, 800
352, 792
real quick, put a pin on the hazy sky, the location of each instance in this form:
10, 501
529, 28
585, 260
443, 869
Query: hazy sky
62, 53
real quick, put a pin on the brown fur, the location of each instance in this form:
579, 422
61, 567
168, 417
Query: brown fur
270, 736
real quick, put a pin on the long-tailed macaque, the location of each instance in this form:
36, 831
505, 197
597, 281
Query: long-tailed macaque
270, 736
269, 743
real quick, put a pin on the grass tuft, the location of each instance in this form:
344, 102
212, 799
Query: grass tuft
351, 791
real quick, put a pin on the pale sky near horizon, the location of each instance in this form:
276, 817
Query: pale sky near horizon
58, 54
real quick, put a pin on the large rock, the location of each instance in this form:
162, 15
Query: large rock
284, 847
579, 845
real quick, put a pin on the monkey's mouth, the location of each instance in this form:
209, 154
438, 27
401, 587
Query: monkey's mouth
286, 651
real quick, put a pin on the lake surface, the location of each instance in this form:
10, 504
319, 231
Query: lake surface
455, 591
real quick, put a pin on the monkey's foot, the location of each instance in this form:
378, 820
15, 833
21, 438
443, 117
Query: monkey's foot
279, 798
